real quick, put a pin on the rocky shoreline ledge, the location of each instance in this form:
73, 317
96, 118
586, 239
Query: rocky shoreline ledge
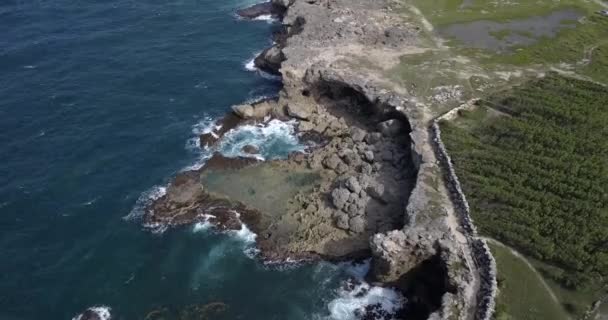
369, 183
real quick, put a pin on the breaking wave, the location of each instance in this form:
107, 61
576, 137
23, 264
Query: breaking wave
102, 312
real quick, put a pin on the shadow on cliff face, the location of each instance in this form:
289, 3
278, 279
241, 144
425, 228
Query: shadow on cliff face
424, 286
345, 101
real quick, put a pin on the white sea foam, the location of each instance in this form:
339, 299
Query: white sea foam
203, 225
274, 139
144, 200
250, 66
266, 17
351, 301
103, 312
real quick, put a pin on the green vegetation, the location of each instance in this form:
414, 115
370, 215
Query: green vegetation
444, 12
536, 175
570, 46
522, 296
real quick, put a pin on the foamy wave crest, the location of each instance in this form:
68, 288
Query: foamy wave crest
206, 125
274, 139
266, 17
144, 200
203, 225
363, 301
101, 313
357, 299
250, 66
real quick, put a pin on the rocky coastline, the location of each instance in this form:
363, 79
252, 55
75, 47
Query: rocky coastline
369, 183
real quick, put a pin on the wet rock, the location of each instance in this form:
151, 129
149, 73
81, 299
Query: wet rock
244, 111
357, 134
356, 224
261, 9
185, 187
270, 60
353, 185
208, 139
339, 197
250, 149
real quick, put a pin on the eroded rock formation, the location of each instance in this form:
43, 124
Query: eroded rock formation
378, 188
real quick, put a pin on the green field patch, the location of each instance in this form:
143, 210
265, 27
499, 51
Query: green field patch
502, 36
444, 12
522, 293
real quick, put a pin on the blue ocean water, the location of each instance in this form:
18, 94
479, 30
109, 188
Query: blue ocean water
100, 102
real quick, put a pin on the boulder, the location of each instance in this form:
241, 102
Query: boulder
306, 126
351, 158
357, 134
376, 191
339, 197
270, 60
342, 168
332, 161
368, 156
353, 185
342, 221
356, 224
244, 111
352, 210
300, 111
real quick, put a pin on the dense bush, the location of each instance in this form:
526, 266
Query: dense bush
536, 172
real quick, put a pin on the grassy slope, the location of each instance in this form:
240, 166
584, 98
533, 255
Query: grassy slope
522, 293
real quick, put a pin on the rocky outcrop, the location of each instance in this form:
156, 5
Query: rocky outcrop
371, 142
273, 8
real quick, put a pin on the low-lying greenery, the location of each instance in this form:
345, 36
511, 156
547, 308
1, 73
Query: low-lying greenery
443, 12
537, 175
522, 294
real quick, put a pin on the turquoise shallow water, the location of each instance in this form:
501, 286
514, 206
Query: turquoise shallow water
98, 103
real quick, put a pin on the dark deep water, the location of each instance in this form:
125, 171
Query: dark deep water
98, 100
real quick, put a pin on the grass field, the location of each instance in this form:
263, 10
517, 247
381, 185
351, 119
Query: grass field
532, 162
522, 295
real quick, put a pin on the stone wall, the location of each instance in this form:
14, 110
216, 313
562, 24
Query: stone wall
484, 260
